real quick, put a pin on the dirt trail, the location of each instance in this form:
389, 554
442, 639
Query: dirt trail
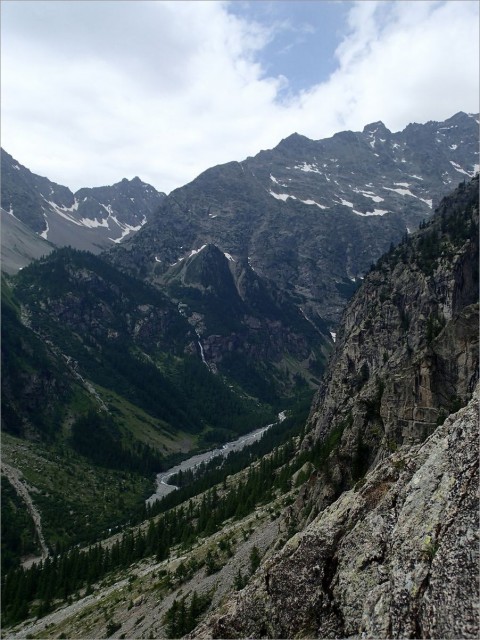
14, 476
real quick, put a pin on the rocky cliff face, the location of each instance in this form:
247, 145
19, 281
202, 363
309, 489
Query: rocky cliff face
407, 353
395, 558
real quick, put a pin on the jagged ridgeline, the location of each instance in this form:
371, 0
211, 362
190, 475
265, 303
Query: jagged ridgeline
311, 215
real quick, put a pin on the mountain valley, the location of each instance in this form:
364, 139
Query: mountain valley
296, 281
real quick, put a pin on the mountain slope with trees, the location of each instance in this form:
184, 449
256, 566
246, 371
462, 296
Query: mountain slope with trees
108, 378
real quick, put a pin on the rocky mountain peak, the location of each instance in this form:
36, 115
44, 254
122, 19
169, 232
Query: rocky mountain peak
376, 127
92, 218
311, 216
207, 267
294, 143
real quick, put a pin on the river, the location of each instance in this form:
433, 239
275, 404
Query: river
162, 486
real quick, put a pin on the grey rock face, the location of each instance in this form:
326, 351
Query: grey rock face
397, 557
407, 353
19, 244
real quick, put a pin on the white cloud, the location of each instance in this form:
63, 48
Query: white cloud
403, 61
95, 91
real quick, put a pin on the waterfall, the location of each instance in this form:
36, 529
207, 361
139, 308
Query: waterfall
202, 354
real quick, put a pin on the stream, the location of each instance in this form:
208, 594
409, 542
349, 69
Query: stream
162, 486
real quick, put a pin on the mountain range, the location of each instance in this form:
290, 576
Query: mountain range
293, 275
91, 219
362, 520
311, 216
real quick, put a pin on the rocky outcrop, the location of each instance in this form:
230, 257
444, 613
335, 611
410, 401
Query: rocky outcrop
395, 557
407, 353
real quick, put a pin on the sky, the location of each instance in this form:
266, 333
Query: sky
95, 91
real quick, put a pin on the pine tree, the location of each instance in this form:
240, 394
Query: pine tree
239, 581
254, 559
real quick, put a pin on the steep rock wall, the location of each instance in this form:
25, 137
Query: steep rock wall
407, 352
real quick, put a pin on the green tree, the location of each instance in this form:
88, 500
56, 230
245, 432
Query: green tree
239, 581
254, 559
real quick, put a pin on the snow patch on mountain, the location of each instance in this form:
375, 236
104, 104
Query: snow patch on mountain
308, 167
375, 212
285, 196
194, 252
126, 228
373, 197
62, 211
345, 203
92, 224
402, 192
44, 234
427, 201
312, 202
281, 196
275, 181
460, 169
369, 194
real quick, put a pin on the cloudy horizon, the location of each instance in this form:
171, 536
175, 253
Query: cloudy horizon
93, 92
